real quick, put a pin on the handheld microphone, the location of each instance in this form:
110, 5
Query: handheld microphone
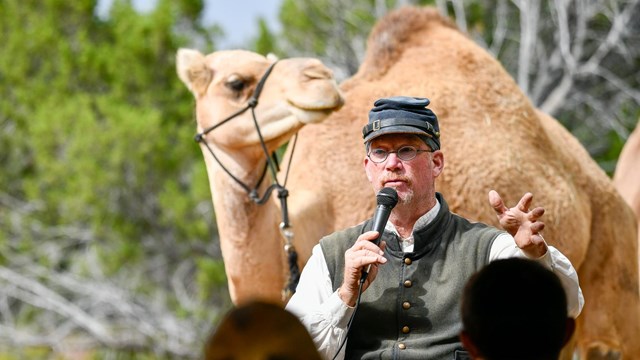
386, 199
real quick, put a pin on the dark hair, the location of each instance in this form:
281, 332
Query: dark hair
515, 309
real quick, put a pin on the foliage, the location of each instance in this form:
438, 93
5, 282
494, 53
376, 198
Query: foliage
100, 180
332, 30
265, 43
578, 62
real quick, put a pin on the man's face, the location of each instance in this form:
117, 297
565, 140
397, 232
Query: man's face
411, 179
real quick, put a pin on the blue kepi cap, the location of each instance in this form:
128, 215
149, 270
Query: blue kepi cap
403, 115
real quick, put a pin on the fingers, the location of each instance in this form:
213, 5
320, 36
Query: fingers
369, 236
525, 202
536, 213
496, 202
540, 246
365, 252
357, 258
537, 239
537, 226
534, 247
523, 205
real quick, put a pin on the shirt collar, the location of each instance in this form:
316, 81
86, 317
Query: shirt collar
424, 220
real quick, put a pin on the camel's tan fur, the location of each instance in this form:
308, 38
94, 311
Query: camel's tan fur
627, 175
297, 92
492, 138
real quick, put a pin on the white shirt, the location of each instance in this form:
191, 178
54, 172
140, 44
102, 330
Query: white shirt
325, 315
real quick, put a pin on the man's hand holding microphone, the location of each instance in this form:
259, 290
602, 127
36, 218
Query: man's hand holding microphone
363, 258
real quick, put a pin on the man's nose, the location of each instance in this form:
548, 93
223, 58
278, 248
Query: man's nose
393, 161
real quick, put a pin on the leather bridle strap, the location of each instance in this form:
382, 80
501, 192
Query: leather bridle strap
271, 163
251, 104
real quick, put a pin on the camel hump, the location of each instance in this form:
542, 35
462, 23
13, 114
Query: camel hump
392, 33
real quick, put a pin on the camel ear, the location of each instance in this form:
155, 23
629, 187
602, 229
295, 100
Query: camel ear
193, 71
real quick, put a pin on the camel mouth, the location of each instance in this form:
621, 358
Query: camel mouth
315, 112
320, 106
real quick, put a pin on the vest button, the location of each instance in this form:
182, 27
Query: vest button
407, 261
402, 346
407, 283
405, 329
406, 305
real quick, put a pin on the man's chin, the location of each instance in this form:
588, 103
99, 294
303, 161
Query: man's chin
405, 197
405, 194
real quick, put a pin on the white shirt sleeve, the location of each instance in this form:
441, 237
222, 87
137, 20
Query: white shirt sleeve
320, 308
504, 246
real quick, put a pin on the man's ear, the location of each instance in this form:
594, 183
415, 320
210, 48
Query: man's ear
438, 162
469, 345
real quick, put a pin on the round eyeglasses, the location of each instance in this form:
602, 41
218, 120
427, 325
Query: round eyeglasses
405, 153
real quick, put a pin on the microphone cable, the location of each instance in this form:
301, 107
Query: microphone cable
386, 200
355, 309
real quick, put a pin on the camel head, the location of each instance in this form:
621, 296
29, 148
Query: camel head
296, 92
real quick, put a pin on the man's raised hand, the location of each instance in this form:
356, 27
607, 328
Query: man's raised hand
523, 224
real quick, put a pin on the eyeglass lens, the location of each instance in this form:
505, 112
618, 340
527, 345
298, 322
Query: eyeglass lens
405, 153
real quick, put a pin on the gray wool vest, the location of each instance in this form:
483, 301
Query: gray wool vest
412, 309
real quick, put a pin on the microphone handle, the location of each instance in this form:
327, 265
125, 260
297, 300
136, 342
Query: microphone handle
380, 219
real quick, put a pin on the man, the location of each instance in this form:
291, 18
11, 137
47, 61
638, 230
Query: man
410, 301
496, 328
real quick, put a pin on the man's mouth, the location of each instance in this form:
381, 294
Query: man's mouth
393, 182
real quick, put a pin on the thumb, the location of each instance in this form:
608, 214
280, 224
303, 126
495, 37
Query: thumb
496, 202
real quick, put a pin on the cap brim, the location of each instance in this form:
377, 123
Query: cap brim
398, 129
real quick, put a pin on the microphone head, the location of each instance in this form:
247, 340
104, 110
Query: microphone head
387, 197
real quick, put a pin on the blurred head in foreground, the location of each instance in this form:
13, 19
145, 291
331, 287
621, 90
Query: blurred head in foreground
495, 327
260, 331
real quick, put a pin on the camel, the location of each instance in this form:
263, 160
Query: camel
296, 92
627, 175
492, 138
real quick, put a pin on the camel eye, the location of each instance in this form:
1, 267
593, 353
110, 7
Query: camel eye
236, 83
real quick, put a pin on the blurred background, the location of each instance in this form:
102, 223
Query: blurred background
108, 243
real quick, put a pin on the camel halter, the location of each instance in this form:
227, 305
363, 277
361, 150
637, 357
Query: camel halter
272, 164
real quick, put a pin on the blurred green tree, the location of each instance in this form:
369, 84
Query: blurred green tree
100, 182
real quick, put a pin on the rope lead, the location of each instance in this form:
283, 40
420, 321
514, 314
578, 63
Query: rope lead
292, 258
